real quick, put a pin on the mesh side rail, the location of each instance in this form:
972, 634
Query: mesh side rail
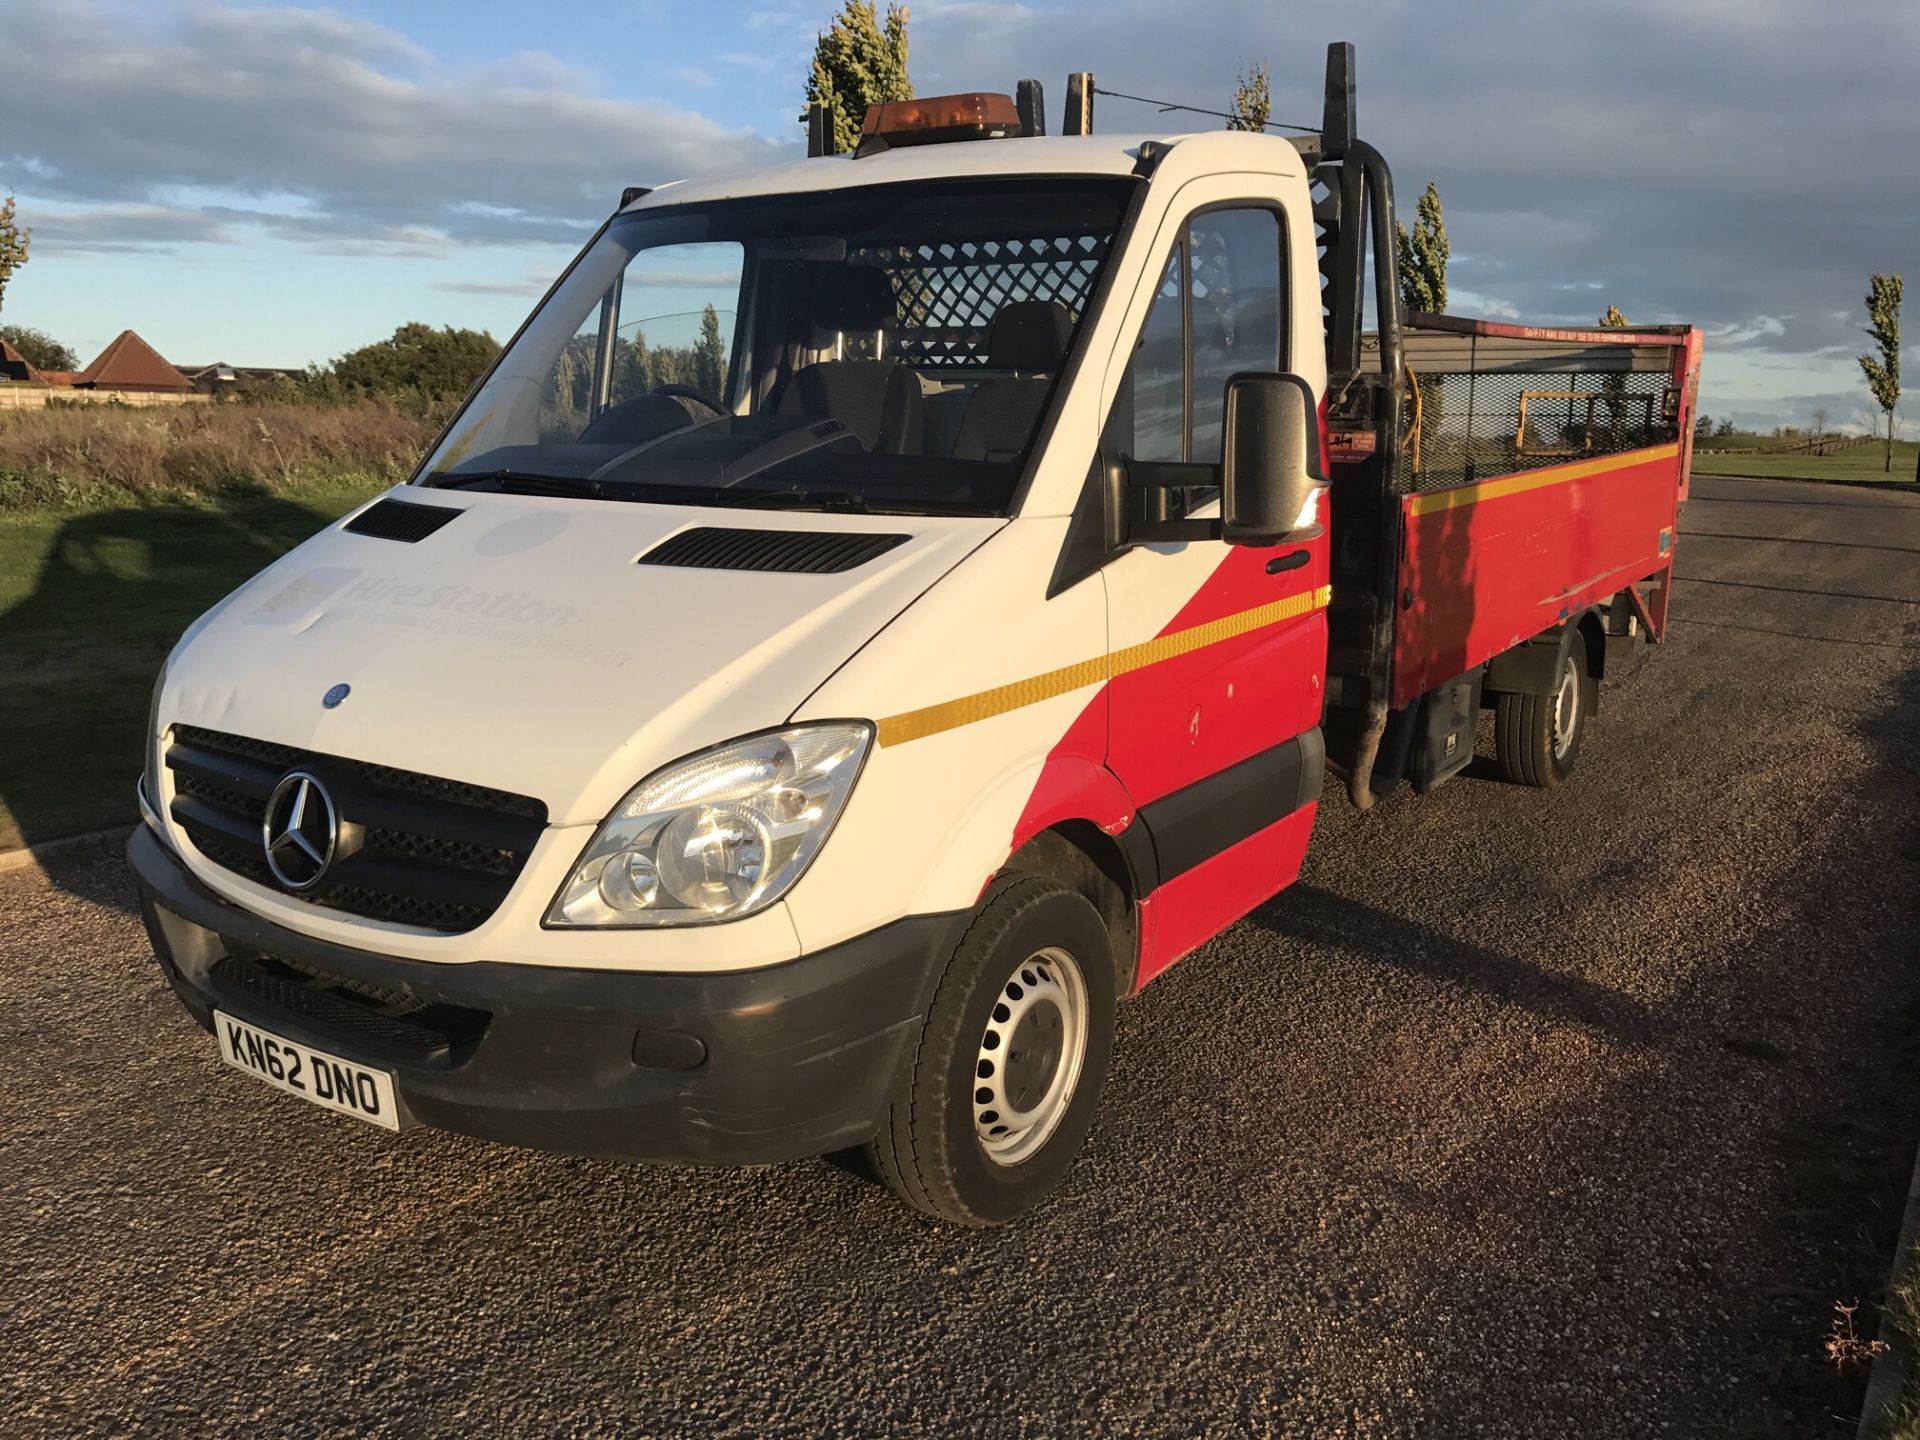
948, 293
1478, 426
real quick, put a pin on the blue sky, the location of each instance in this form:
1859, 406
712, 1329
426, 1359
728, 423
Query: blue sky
274, 185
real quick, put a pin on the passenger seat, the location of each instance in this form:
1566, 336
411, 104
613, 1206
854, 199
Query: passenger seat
878, 400
1028, 337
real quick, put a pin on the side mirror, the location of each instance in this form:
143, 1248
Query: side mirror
1269, 457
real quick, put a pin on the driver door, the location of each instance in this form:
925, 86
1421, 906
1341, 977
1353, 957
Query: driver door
1218, 649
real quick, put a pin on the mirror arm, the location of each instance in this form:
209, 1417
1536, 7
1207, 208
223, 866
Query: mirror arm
1168, 474
1136, 502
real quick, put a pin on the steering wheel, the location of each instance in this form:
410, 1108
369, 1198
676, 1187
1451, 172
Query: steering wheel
693, 393
640, 417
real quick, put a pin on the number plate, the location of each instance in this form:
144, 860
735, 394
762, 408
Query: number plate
309, 1073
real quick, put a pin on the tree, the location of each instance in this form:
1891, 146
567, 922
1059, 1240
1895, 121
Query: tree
1819, 420
1723, 429
1614, 387
1884, 294
858, 62
634, 371
40, 349
1421, 256
1252, 103
13, 246
417, 360
710, 355
1702, 426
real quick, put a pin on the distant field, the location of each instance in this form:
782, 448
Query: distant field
1861, 462
91, 600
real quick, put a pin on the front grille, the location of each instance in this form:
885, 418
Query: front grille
414, 849
393, 1019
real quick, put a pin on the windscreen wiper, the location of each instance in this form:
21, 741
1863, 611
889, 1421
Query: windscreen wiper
518, 482
844, 500
528, 482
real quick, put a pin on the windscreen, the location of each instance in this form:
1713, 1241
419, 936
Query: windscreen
891, 348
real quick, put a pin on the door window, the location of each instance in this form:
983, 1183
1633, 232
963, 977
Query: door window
1220, 309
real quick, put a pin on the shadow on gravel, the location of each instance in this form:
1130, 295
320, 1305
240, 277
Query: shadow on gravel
98, 873
1314, 916
1772, 1126
1850, 1152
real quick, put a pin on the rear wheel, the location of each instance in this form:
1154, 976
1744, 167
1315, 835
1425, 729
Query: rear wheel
1000, 1090
1537, 737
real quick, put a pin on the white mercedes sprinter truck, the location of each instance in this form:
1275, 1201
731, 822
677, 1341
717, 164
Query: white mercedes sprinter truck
793, 731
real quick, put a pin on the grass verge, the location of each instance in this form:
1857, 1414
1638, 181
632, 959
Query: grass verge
1902, 1308
96, 456
91, 600
1861, 463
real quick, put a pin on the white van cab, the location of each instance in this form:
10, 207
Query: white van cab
803, 749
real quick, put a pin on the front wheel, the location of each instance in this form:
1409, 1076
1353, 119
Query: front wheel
1000, 1090
1537, 737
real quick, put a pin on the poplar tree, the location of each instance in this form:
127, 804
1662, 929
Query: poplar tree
1614, 387
13, 245
710, 355
1884, 294
1252, 102
1420, 256
859, 61
1420, 259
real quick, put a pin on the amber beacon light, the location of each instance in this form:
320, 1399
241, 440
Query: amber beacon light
938, 118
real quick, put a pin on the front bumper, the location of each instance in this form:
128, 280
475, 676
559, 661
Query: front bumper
736, 1068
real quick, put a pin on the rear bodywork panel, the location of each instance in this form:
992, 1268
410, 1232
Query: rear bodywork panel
1548, 479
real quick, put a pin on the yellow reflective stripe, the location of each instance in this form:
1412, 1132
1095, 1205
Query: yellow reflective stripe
951, 714
1433, 501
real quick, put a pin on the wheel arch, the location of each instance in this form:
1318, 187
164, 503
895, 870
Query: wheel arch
1593, 633
1533, 666
1079, 854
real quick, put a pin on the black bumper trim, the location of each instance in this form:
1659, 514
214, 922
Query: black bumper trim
792, 1059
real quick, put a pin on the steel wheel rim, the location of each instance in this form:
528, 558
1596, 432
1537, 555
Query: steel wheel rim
1566, 709
1030, 1056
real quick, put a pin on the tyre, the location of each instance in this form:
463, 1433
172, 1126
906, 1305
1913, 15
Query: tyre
1537, 738
999, 1091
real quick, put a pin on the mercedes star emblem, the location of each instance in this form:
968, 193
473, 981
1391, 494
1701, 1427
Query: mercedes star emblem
300, 830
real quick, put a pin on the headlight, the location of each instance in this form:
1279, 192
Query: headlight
718, 835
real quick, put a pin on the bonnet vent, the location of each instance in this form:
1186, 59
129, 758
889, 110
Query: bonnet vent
791, 552
400, 520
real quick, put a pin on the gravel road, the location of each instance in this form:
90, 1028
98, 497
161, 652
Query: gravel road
1523, 1115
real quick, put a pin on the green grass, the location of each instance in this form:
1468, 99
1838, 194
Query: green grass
91, 600
1903, 1308
1861, 462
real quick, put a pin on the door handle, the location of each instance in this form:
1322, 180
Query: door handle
1292, 560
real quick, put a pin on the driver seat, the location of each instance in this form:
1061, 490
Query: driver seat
878, 400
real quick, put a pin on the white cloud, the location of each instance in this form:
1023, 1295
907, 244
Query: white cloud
531, 287
364, 142
684, 279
